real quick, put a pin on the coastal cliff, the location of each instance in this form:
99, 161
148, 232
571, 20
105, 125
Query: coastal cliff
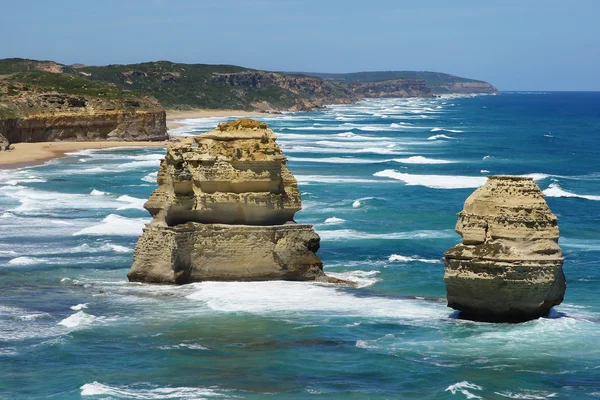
436, 82
392, 88
509, 265
224, 210
227, 87
49, 117
44, 106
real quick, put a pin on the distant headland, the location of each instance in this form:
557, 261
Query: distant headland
45, 101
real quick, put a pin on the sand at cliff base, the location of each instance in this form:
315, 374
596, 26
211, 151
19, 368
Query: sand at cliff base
27, 154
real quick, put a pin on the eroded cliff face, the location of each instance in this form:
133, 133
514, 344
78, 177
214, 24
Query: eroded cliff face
288, 92
224, 210
469, 87
509, 266
46, 117
393, 88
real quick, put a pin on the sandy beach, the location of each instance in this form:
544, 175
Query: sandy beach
28, 154
175, 115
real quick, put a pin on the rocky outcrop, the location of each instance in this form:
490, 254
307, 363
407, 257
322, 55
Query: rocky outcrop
287, 92
4, 144
468, 88
509, 266
393, 88
46, 117
224, 210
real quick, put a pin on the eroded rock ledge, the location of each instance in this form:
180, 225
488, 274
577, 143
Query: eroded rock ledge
509, 266
48, 117
224, 210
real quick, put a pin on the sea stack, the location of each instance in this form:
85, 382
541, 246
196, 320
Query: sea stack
224, 210
509, 266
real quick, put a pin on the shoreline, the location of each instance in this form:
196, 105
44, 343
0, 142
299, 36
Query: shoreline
30, 154
173, 116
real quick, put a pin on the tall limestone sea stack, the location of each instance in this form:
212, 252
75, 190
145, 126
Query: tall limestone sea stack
224, 210
509, 266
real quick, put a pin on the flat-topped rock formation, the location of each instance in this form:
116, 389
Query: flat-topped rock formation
509, 266
224, 210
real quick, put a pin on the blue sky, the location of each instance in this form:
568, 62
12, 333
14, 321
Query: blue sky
515, 45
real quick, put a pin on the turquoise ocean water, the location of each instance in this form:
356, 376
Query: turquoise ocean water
382, 182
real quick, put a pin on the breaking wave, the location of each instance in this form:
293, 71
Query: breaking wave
554, 190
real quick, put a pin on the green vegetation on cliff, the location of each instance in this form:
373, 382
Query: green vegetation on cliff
183, 86
438, 82
187, 86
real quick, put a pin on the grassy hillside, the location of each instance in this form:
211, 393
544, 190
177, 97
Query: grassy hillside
184, 86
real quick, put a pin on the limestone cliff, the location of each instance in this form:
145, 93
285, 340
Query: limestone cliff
46, 117
224, 210
509, 266
392, 88
45, 104
271, 91
467, 87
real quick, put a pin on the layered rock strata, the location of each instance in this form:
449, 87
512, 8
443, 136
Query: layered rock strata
224, 210
509, 266
48, 117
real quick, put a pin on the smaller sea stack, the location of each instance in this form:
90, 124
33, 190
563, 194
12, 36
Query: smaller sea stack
509, 266
224, 210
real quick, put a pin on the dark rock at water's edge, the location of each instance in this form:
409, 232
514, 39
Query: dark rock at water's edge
4, 144
224, 211
509, 266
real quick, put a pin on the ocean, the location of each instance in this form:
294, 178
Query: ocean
382, 182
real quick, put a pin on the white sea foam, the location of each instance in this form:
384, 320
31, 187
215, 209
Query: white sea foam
78, 319
8, 253
446, 130
79, 307
486, 157
290, 297
191, 346
334, 150
115, 225
536, 176
421, 160
308, 179
86, 248
334, 221
359, 202
34, 201
14, 182
527, 394
361, 279
337, 160
464, 387
149, 392
436, 137
554, 190
434, 181
351, 234
26, 261
352, 145
131, 202
151, 177
484, 171
406, 259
